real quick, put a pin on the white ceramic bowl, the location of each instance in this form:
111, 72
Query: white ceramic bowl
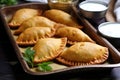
93, 9
111, 31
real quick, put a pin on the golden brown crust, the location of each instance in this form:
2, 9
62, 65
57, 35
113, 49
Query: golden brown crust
73, 34
32, 34
84, 53
22, 15
36, 21
48, 48
62, 17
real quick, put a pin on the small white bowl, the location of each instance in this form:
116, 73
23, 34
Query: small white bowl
93, 9
111, 31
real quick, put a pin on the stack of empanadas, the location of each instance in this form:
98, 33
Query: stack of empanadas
50, 32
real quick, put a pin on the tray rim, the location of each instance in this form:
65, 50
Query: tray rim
26, 67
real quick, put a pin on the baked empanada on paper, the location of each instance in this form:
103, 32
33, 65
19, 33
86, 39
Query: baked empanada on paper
62, 17
84, 53
48, 48
73, 34
36, 21
22, 15
32, 34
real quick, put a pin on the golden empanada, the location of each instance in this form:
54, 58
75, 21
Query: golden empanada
62, 17
48, 48
22, 15
73, 34
84, 53
32, 34
36, 21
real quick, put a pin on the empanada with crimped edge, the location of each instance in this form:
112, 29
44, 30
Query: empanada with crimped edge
48, 49
73, 34
35, 21
84, 53
21, 15
62, 17
32, 34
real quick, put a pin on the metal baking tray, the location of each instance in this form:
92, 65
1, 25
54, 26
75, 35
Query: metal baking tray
114, 55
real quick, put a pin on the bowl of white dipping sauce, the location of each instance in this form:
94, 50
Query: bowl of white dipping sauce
93, 9
111, 31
